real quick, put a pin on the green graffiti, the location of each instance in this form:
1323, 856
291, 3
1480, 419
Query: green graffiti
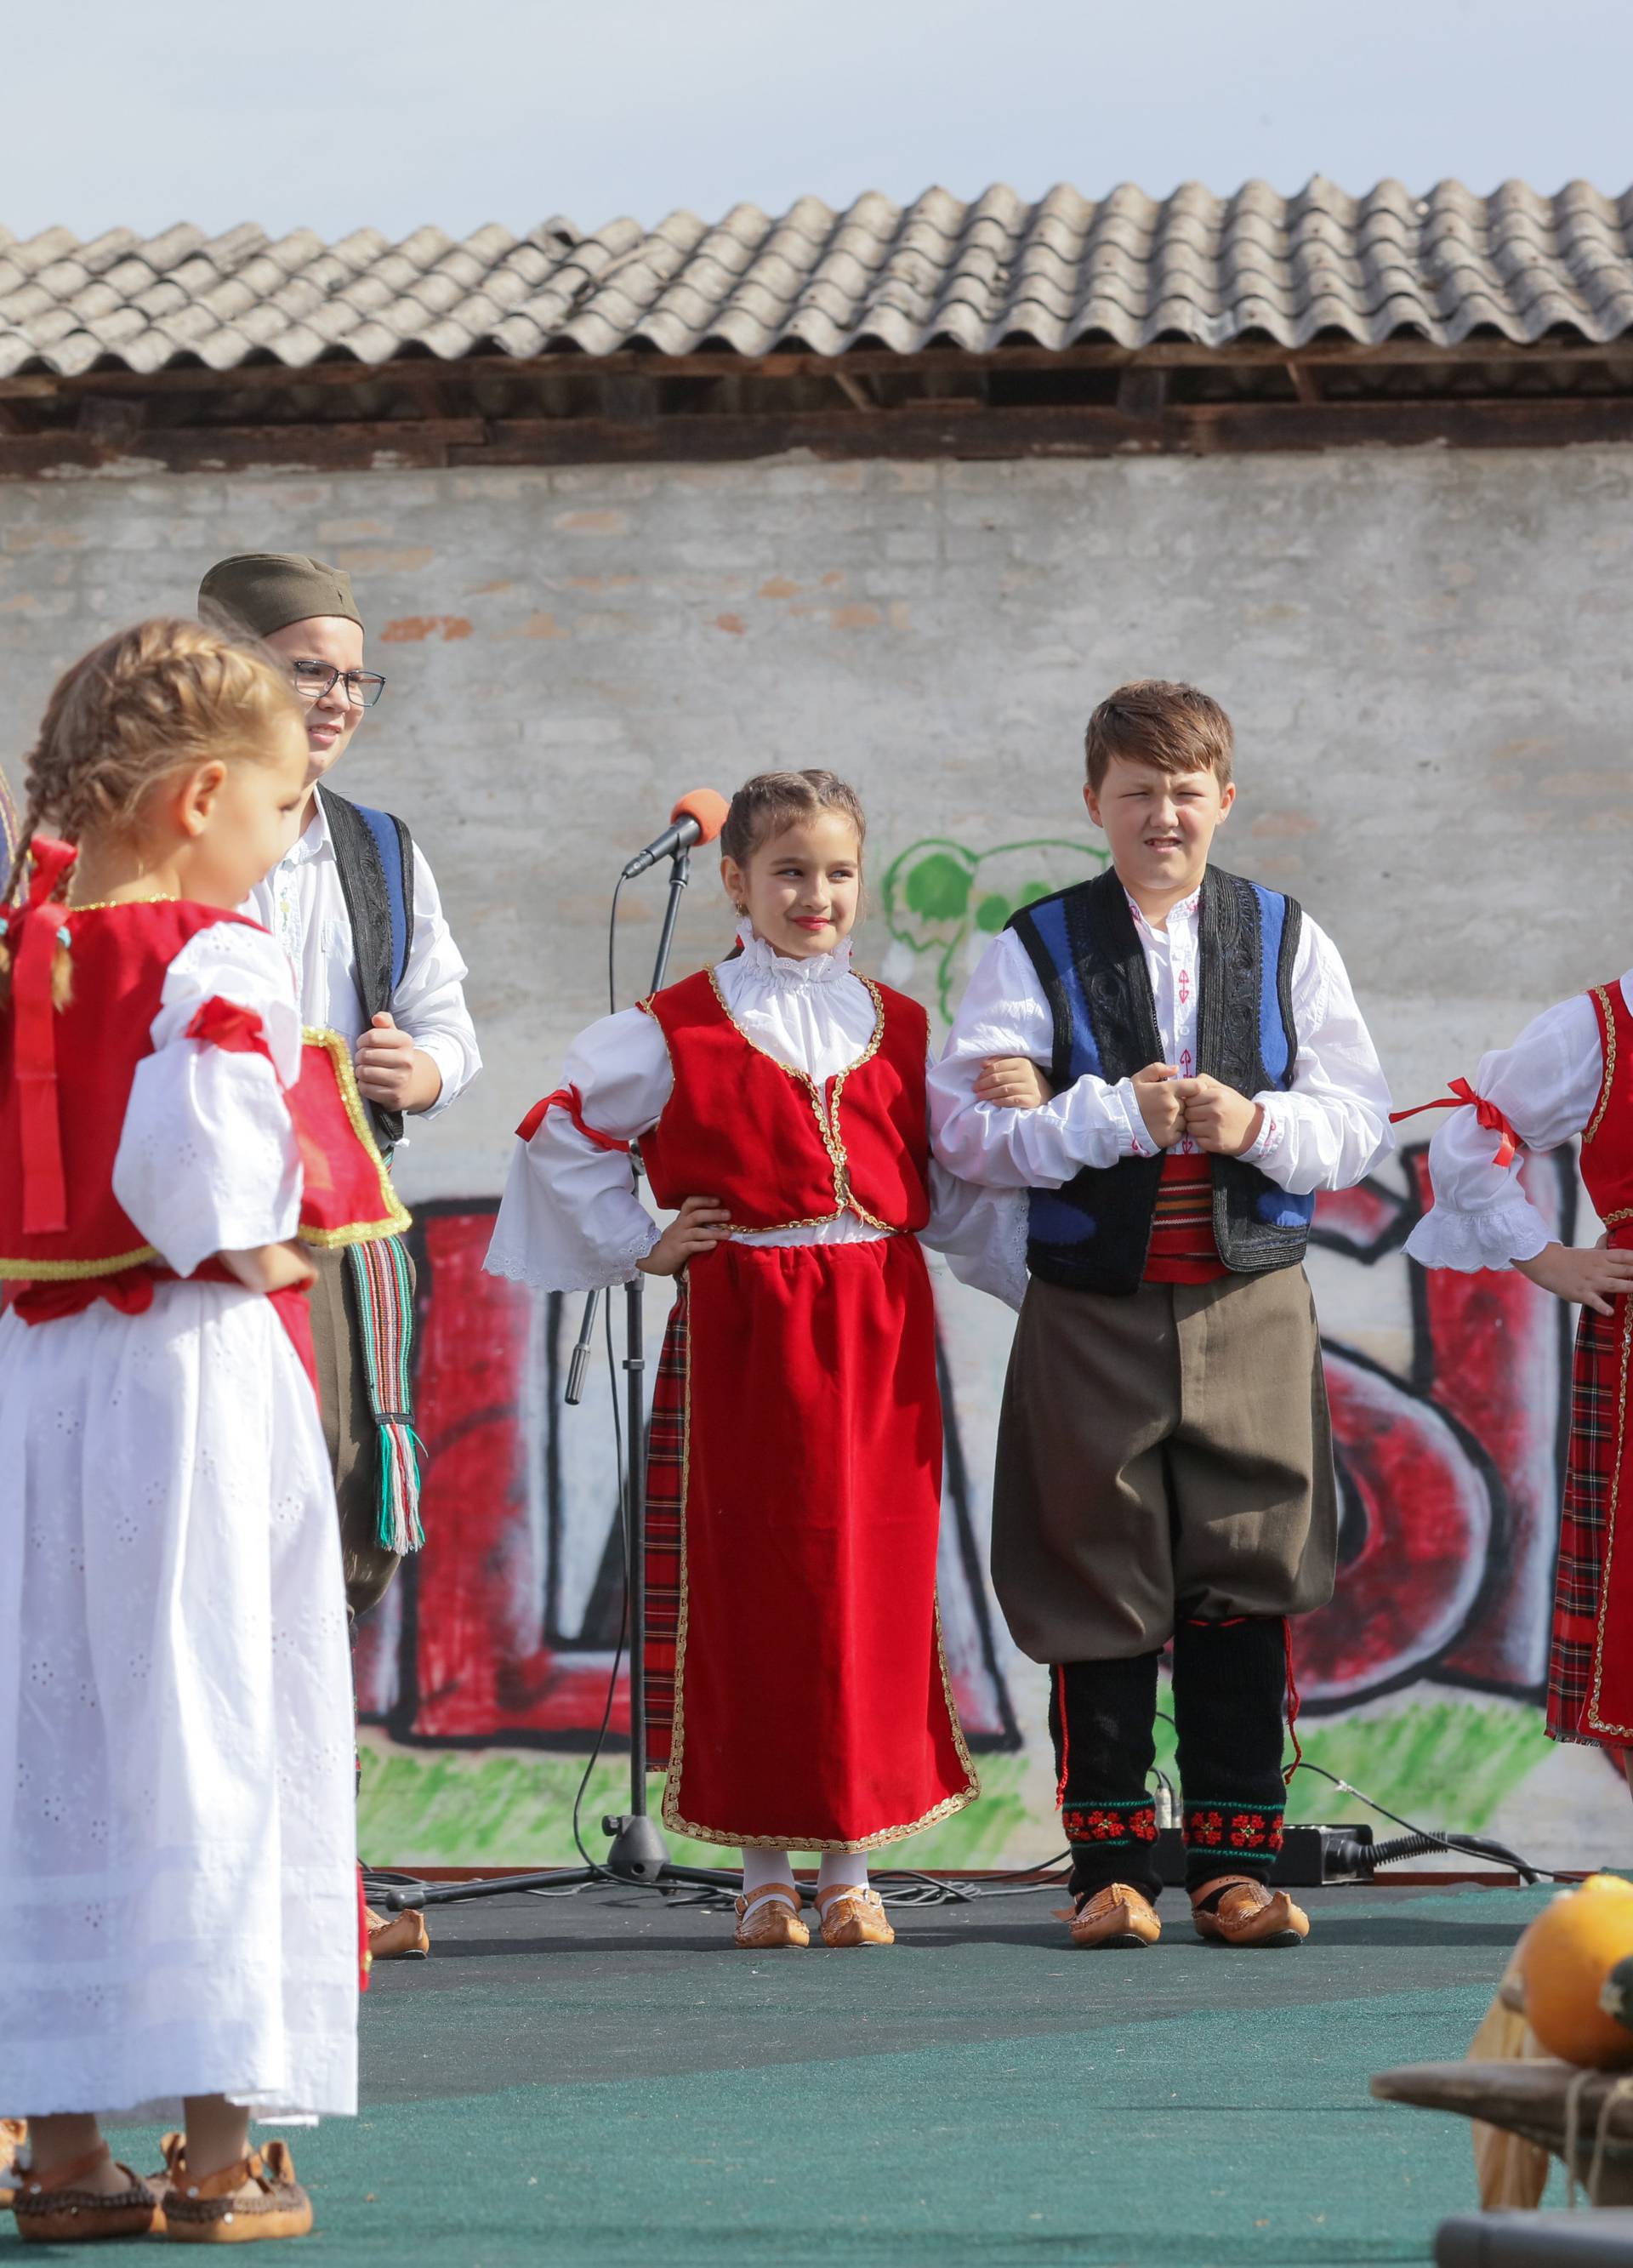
510, 1808
937, 894
1437, 1761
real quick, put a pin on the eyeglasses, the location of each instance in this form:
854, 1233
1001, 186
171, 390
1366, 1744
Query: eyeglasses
315, 679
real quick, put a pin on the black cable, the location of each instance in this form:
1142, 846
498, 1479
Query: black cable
1466, 1847
612, 950
594, 1756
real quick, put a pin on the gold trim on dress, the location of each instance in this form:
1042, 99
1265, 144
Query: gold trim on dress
74, 1271
670, 1809
1612, 1731
394, 1221
827, 1116
396, 1217
1601, 993
112, 905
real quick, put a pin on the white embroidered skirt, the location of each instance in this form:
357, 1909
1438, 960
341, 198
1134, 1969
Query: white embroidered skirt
178, 1893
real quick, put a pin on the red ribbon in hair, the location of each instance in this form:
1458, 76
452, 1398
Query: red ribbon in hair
569, 1100
32, 932
1463, 1096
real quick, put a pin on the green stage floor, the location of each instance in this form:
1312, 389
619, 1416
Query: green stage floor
593, 2081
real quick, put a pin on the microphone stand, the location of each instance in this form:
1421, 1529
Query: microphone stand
639, 1852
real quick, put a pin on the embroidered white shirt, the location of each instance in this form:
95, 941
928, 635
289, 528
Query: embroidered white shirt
1327, 1132
570, 1219
1546, 1086
301, 902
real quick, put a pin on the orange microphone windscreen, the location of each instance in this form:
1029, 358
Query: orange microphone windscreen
706, 807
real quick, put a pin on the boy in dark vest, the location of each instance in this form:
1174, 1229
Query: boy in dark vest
1171, 1060
355, 907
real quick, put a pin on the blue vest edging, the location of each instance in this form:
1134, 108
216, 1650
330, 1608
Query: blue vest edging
1094, 1234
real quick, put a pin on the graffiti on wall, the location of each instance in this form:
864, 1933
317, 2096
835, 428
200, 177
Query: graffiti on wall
1449, 1473
503, 1633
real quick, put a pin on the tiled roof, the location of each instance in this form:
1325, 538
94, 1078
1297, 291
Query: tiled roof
1126, 268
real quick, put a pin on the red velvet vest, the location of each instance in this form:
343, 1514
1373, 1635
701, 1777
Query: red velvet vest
777, 1150
119, 957
1607, 1140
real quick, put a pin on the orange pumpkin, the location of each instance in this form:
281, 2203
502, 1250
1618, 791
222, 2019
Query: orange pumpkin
1568, 1953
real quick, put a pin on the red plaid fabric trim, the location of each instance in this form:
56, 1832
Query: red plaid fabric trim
1589, 1472
665, 1469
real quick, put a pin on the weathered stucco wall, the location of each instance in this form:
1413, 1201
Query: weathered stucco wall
1426, 658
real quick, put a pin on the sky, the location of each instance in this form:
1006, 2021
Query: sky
394, 113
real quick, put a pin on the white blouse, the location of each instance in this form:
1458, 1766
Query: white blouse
208, 1161
1328, 1132
570, 1219
1546, 1085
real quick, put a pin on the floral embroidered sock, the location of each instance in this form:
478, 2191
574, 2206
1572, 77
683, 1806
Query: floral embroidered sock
1102, 1715
1230, 1680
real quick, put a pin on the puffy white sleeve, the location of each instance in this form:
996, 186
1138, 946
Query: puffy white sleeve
208, 1161
429, 1003
1003, 1013
982, 1232
1546, 1085
1331, 1127
569, 1219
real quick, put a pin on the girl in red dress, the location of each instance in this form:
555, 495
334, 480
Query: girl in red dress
1568, 1076
779, 1100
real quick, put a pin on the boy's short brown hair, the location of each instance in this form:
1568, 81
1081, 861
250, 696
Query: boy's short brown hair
1154, 722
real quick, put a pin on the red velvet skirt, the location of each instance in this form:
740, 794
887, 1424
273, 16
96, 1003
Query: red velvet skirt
798, 1691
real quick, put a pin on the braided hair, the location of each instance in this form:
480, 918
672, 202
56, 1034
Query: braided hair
147, 702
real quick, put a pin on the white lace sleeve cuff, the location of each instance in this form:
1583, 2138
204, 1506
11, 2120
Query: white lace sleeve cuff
982, 1232
569, 1221
1490, 1236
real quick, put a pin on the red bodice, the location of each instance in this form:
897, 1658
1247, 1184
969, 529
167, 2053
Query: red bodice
775, 1148
1607, 1139
120, 956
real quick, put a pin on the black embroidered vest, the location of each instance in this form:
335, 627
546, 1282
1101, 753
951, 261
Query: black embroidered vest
374, 853
1093, 1234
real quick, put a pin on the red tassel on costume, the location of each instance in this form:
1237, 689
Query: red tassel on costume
33, 1040
1292, 1704
569, 1100
1461, 1097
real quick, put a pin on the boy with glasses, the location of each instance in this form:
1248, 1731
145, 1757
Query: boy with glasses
355, 906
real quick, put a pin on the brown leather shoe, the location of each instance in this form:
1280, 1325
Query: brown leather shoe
853, 1916
1116, 1916
398, 1937
1249, 1913
58, 2208
771, 1918
257, 2197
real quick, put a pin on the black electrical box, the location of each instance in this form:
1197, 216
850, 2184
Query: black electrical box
1309, 1856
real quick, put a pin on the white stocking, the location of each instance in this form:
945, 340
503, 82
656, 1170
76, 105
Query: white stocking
761, 1867
842, 1870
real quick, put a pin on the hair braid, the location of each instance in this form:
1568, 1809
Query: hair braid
145, 704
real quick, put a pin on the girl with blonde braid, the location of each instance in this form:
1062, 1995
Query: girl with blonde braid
178, 1885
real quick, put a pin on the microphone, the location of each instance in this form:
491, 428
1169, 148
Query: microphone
697, 818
